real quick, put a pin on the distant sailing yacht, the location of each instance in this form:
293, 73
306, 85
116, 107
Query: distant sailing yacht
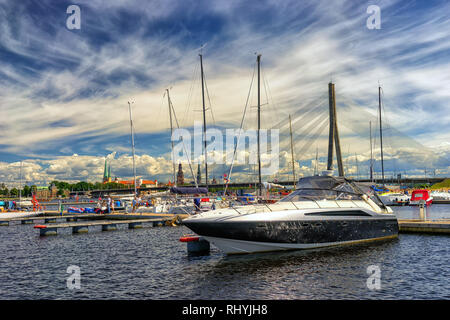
19, 213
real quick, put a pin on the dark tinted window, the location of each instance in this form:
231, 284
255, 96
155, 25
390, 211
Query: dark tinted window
338, 213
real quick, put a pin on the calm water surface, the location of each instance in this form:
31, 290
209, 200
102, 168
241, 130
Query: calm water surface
151, 263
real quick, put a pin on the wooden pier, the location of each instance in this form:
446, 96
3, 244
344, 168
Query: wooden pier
49, 219
108, 222
424, 226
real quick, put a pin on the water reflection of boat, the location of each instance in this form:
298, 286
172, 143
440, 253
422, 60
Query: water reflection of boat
323, 211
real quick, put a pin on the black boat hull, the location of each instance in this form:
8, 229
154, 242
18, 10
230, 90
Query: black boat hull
253, 236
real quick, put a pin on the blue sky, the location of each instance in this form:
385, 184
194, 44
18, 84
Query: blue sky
64, 92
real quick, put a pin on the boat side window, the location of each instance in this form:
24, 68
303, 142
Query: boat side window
339, 213
320, 194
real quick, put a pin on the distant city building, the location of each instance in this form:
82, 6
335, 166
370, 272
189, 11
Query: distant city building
42, 193
107, 172
180, 175
47, 193
139, 182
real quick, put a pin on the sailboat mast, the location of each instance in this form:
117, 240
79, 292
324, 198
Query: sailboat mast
132, 148
185, 150
204, 119
381, 133
371, 152
258, 59
316, 165
171, 134
20, 187
292, 149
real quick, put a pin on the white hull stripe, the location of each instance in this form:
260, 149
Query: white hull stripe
232, 246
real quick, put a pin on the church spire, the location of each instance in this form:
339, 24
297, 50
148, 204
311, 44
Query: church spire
180, 175
105, 171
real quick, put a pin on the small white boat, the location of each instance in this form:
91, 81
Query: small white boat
24, 203
438, 195
393, 199
172, 208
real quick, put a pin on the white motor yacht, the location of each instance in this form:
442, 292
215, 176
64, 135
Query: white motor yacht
322, 211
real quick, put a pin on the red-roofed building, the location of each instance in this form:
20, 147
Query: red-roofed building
139, 182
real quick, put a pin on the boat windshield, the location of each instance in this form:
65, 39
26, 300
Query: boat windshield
330, 188
320, 194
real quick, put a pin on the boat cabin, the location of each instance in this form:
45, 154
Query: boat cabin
421, 194
319, 188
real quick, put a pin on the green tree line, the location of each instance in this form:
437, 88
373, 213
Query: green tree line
27, 191
85, 186
14, 192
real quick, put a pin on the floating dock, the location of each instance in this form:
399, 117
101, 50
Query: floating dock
424, 226
83, 227
441, 201
49, 219
108, 222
